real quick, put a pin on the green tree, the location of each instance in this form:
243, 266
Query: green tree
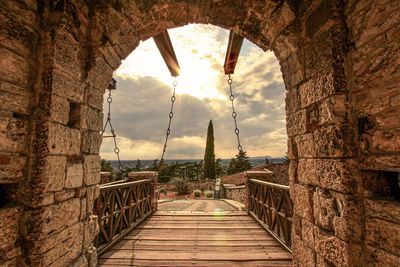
138, 166
154, 166
242, 161
106, 166
209, 155
232, 167
239, 164
219, 169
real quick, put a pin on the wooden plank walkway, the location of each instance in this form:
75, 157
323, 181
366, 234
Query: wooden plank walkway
177, 239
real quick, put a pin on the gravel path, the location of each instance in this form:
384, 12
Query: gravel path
204, 205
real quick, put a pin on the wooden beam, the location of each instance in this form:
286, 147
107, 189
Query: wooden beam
166, 49
232, 52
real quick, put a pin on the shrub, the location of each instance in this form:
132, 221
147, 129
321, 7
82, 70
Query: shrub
163, 191
209, 193
181, 185
197, 193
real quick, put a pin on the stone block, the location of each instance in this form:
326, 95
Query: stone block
59, 249
292, 100
110, 55
91, 169
11, 168
332, 110
293, 171
63, 140
325, 209
90, 231
303, 204
91, 142
333, 250
383, 234
383, 209
54, 173
54, 218
302, 255
94, 97
13, 134
66, 85
14, 68
381, 162
64, 195
100, 74
385, 141
292, 73
15, 99
390, 118
74, 175
296, 123
66, 52
92, 193
83, 214
324, 142
338, 175
320, 86
91, 119
59, 111
40, 200
387, 259
308, 234
9, 217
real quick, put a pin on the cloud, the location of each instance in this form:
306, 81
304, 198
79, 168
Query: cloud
142, 101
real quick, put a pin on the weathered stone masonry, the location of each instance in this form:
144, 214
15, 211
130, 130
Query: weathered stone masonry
340, 64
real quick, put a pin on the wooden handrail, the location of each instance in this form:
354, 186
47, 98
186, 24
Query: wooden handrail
270, 205
120, 208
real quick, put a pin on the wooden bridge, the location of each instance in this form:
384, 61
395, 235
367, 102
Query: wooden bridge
131, 234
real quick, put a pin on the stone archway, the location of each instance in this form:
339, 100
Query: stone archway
59, 57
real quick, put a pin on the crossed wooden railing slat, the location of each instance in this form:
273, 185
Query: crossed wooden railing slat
120, 208
270, 204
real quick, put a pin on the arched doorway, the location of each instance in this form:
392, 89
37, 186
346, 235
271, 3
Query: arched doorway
56, 72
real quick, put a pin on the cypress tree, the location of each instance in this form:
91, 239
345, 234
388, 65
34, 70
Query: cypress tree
209, 155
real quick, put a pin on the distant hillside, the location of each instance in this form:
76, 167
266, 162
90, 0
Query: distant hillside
146, 163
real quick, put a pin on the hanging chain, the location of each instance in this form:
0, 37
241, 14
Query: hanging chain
113, 135
168, 131
234, 114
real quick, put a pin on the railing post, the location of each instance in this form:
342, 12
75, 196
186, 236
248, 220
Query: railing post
136, 176
264, 175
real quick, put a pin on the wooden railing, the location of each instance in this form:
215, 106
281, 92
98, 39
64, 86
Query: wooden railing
120, 208
270, 204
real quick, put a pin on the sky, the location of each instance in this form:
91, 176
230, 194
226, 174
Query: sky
141, 103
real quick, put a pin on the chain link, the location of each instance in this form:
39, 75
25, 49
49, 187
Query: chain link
234, 114
168, 131
113, 135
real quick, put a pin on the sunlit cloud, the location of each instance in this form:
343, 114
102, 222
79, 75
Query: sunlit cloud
142, 101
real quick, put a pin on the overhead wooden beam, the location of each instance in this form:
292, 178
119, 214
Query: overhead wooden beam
232, 52
166, 49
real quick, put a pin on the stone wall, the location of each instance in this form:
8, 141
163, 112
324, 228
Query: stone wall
237, 193
339, 61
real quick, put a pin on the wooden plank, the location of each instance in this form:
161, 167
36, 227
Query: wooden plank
232, 52
167, 52
149, 262
199, 255
199, 243
195, 248
192, 240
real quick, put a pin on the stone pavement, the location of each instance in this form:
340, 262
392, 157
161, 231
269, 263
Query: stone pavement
199, 205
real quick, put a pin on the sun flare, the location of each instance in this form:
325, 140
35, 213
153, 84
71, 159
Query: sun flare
200, 61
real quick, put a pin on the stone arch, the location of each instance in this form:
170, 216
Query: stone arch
59, 56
